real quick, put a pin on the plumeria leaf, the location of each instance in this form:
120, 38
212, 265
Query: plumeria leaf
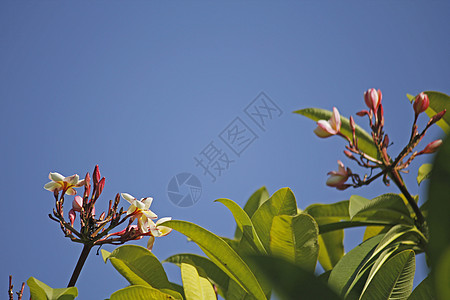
331, 244
140, 267
387, 207
214, 273
282, 202
105, 255
41, 291
295, 238
140, 292
221, 254
242, 219
424, 290
253, 203
345, 271
290, 281
424, 173
438, 220
365, 142
196, 287
438, 102
394, 280
372, 231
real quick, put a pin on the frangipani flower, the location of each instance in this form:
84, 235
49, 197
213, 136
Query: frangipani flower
139, 209
157, 230
339, 177
372, 97
421, 103
331, 127
65, 184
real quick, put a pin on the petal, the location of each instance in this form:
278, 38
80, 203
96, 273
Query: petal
128, 197
149, 214
164, 230
139, 204
77, 203
51, 186
55, 177
80, 183
147, 202
71, 191
72, 180
151, 241
341, 168
324, 129
162, 220
335, 120
131, 209
336, 180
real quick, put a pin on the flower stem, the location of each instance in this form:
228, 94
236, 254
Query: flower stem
83, 256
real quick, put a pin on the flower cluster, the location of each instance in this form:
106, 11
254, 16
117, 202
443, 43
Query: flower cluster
96, 231
389, 167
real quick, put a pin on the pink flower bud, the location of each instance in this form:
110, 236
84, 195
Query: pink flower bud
362, 113
372, 98
100, 187
96, 175
331, 127
77, 203
421, 103
438, 116
348, 154
432, 147
352, 123
72, 217
338, 178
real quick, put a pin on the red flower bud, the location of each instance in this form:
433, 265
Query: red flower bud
72, 217
421, 103
100, 187
432, 147
362, 113
438, 116
96, 175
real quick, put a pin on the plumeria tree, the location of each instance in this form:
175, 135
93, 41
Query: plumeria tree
277, 245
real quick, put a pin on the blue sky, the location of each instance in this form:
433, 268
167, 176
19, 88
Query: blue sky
142, 88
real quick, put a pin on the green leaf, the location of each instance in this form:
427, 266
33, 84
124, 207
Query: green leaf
140, 292
438, 217
424, 290
139, 266
256, 200
345, 271
221, 254
196, 287
365, 142
424, 173
214, 273
442, 276
242, 219
331, 244
438, 102
41, 291
105, 255
253, 203
394, 280
295, 238
282, 202
291, 281
388, 207
372, 231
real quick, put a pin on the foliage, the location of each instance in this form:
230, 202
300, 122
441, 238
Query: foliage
277, 245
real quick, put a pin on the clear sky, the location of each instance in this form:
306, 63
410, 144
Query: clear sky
142, 88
